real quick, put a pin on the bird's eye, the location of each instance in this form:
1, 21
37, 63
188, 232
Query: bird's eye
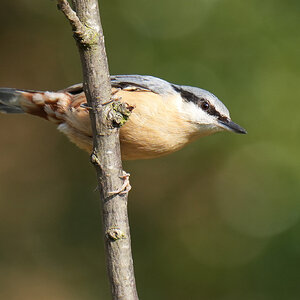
205, 105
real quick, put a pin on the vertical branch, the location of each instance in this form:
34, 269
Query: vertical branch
87, 30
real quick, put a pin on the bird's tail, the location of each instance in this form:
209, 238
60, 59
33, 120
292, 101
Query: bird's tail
67, 108
49, 105
10, 101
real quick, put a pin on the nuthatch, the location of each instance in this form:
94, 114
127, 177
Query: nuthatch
166, 116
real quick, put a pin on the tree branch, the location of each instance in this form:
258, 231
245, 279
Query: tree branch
106, 118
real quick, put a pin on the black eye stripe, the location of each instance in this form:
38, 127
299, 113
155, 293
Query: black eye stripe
190, 97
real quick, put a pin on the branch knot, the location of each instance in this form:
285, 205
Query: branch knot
85, 35
115, 234
94, 159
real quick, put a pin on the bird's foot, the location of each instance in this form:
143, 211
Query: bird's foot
113, 97
125, 188
85, 105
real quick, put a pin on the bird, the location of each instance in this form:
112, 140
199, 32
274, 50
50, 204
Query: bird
166, 116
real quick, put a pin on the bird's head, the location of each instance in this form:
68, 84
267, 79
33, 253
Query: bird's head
206, 111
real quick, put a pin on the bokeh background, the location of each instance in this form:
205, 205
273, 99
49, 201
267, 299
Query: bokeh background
219, 220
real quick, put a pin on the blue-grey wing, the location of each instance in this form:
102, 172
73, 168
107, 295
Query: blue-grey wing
151, 83
154, 84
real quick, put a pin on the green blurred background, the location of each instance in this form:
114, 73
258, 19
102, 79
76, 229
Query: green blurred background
219, 220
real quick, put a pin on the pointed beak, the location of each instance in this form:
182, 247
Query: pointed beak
231, 126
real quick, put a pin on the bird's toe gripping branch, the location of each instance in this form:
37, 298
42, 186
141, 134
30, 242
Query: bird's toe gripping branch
125, 188
114, 97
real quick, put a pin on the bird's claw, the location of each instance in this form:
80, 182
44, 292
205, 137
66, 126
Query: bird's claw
113, 97
86, 106
125, 188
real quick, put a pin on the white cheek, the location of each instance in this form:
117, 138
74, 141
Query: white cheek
190, 112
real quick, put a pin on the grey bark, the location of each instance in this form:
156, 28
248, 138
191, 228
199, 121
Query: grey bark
85, 21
